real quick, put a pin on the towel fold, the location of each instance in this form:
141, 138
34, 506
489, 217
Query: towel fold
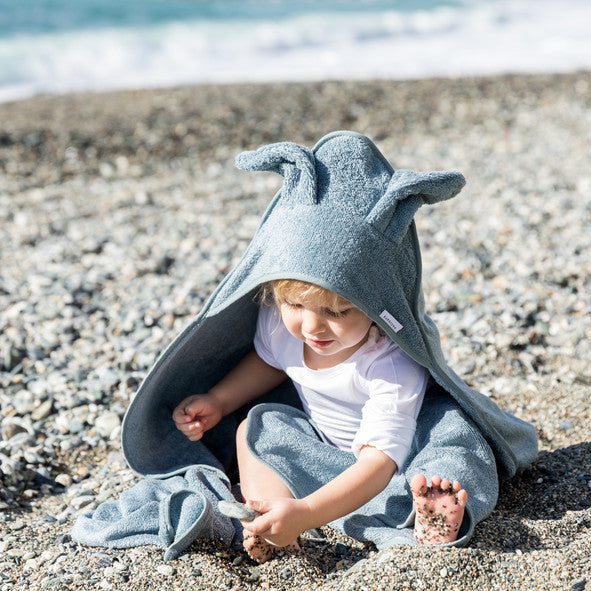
169, 512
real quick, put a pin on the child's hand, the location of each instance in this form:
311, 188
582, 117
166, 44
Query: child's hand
281, 521
196, 414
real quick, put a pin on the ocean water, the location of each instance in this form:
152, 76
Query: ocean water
58, 46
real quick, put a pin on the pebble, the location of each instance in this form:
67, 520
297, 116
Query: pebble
165, 570
12, 428
106, 423
17, 525
81, 501
254, 575
42, 411
237, 510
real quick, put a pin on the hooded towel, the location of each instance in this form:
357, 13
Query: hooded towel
343, 219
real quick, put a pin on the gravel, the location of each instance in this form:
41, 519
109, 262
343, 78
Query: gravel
121, 212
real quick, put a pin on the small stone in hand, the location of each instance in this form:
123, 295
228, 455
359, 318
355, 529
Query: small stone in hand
237, 510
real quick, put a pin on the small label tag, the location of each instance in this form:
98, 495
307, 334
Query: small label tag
391, 321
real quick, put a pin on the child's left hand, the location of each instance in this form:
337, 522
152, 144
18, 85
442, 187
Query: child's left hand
281, 522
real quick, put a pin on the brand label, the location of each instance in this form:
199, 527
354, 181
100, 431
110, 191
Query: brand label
391, 321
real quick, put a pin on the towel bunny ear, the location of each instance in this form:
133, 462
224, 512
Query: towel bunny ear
294, 162
406, 192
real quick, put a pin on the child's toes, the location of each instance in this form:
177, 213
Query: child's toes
257, 548
418, 485
462, 497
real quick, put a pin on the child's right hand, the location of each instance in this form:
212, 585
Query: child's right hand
196, 414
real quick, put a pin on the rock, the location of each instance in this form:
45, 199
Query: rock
165, 570
106, 423
42, 411
10, 429
82, 501
237, 510
64, 480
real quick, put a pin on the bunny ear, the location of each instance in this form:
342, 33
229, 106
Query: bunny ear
294, 162
406, 192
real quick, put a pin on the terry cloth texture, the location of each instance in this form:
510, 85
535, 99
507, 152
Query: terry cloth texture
170, 512
343, 219
446, 442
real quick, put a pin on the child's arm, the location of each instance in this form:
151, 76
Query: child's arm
283, 520
251, 378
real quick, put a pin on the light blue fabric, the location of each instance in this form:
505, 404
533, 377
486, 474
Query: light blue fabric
343, 219
170, 512
446, 442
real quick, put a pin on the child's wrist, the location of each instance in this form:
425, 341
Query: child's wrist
217, 397
307, 515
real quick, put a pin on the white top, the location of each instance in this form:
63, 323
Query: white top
373, 398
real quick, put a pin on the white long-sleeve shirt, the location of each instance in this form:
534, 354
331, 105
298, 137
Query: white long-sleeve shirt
373, 398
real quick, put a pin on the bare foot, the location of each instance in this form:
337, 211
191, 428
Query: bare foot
439, 509
260, 550
257, 548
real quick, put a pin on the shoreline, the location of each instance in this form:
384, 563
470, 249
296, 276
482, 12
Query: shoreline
120, 212
106, 92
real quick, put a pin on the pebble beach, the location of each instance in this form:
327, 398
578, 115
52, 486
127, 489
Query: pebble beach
120, 213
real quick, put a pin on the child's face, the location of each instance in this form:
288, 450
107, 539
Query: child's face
330, 334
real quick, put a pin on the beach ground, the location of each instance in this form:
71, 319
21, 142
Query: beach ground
120, 213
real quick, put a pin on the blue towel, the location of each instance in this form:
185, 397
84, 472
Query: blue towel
446, 442
343, 219
171, 512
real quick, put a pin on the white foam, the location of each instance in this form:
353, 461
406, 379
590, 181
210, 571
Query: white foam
482, 37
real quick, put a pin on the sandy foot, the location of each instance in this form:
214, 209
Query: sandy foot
439, 509
260, 550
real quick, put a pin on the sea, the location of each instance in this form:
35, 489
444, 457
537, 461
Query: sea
61, 46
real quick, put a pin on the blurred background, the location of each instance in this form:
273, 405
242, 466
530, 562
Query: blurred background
59, 46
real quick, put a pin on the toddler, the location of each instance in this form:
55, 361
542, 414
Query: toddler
361, 391
388, 430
